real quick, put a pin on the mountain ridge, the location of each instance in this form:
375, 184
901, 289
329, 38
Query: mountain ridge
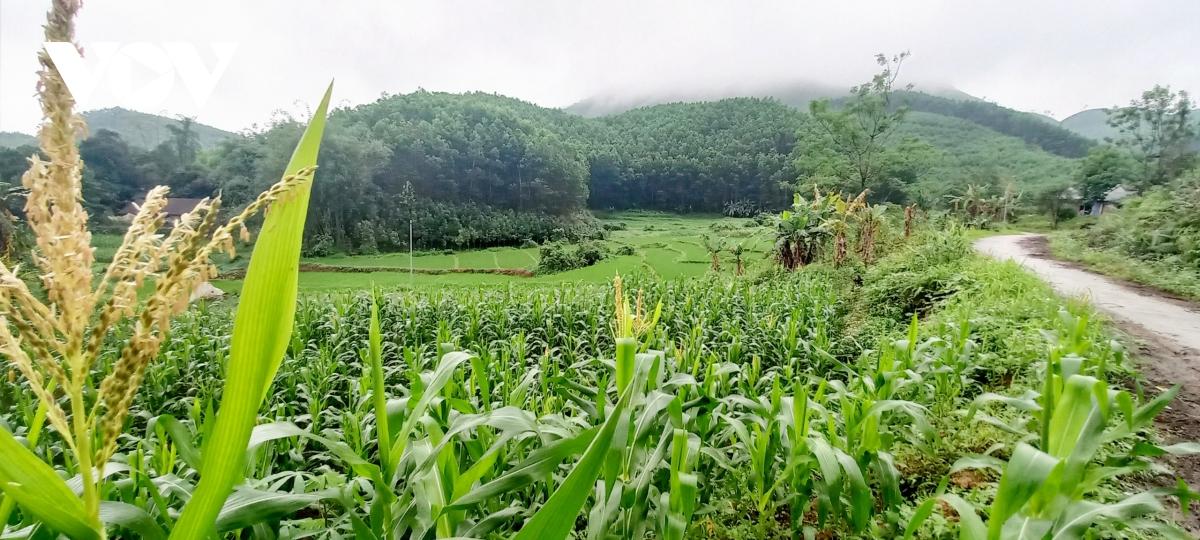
143, 130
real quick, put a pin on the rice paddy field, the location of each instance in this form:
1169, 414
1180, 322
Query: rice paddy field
665, 246
932, 394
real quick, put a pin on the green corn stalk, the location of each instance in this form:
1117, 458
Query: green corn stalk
1043, 491
683, 486
261, 332
553, 521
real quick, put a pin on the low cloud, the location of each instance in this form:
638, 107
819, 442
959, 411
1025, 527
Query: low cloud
1055, 57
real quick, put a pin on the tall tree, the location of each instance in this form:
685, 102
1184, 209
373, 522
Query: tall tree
1159, 130
850, 143
111, 173
184, 142
1102, 169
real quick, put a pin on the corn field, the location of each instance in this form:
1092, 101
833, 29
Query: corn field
919, 393
739, 410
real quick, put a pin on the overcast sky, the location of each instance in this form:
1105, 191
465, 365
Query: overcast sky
1051, 56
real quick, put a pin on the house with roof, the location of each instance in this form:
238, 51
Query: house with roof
1112, 200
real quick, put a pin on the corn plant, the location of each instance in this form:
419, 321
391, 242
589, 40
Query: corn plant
1048, 490
56, 345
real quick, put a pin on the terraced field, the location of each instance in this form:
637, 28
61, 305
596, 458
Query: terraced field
665, 245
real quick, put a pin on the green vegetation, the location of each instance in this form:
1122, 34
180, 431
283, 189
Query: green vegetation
967, 154
1154, 239
839, 370
480, 170
1160, 132
12, 139
753, 408
82, 341
1033, 129
147, 131
698, 157
660, 245
142, 130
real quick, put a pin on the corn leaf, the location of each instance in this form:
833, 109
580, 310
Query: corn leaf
247, 507
40, 491
180, 435
1024, 475
132, 518
261, 332
970, 526
540, 463
555, 519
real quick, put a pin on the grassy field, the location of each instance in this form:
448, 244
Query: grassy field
665, 245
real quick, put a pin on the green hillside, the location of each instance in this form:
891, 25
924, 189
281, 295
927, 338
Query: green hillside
139, 129
796, 94
1035, 129
972, 154
1091, 123
148, 130
1028, 127
13, 139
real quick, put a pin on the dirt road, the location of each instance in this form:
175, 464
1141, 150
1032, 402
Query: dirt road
1167, 332
1168, 319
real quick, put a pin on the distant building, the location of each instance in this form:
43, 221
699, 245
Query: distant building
176, 207
1112, 200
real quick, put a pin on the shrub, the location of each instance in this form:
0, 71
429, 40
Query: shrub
740, 209
320, 245
1161, 225
626, 250
589, 253
364, 236
619, 226
559, 257
919, 276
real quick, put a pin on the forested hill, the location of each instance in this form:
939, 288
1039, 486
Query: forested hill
146, 131
13, 139
142, 130
474, 170
1093, 124
1034, 129
1031, 128
695, 156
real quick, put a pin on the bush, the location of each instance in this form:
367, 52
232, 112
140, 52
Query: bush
589, 253
364, 236
743, 209
918, 277
559, 257
619, 226
321, 245
626, 250
1161, 225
